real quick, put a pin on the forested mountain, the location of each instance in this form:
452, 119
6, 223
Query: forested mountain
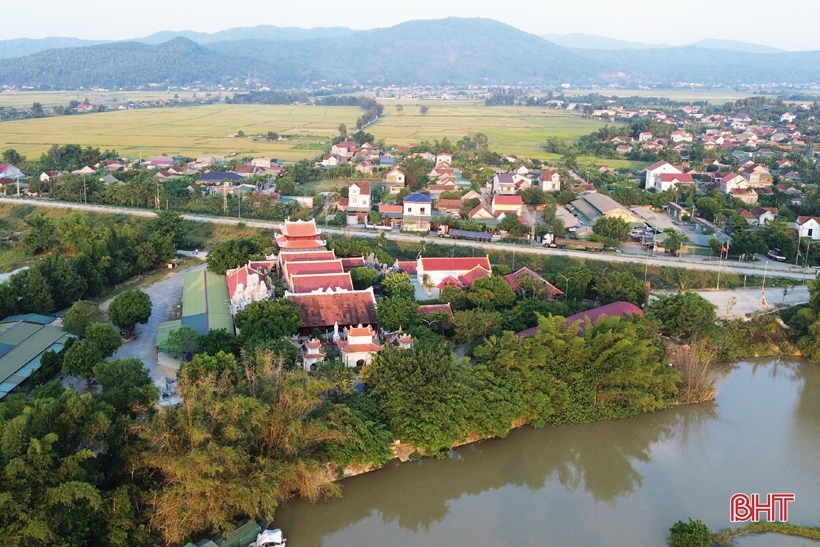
579, 40
126, 64
438, 51
19, 47
429, 52
259, 32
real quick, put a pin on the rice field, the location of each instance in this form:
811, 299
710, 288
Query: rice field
207, 129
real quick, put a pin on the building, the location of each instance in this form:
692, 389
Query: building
359, 346
245, 285
312, 352
808, 227
358, 196
394, 181
593, 206
23, 340
579, 320
433, 274
206, 306
301, 284
300, 236
417, 213
508, 205
747, 196
665, 181
549, 289
550, 180
293, 268
328, 312
764, 215
656, 169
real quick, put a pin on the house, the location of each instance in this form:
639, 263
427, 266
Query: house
550, 180
358, 346
681, 136
535, 280
656, 169
207, 161
365, 167
732, 181
747, 196
645, 136
522, 170
471, 194
299, 235
481, 214
345, 149
581, 319
592, 206
504, 184
508, 205
417, 213
312, 352
747, 216
393, 212
808, 227
757, 175
358, 193
788, 117
623, 149
437, 189
444, 157
620, 139
245, 285
394, 181
449, 206
430, 309
215, 177
665, 181
433, 274
331, 311
87, 170
48, 176
387, 159
264, 163
352, 262
764, 215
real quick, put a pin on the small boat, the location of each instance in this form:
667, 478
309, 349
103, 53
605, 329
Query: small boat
270, 538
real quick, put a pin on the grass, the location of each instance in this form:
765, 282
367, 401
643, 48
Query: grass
20, 99
724, 537
198, 130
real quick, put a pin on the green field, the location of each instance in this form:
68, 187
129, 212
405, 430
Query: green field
712, 95
20, 99
198, 130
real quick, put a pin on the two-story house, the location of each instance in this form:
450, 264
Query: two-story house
394, 181
417, 213
550, 180
654, 171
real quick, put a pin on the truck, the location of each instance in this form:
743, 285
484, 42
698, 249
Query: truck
453, 233
575, 244
776, 254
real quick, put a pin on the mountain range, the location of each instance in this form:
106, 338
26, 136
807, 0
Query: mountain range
589, 41
455, 51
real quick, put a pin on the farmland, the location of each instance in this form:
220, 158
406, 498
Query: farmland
205, 129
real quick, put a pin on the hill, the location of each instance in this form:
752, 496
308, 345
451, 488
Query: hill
733, 45
19, 47
259, 32
580, 40
441, 51
125, 64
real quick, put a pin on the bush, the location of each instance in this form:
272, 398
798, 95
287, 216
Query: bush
691, 534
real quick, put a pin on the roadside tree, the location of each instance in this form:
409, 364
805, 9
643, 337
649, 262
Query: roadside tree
128, 309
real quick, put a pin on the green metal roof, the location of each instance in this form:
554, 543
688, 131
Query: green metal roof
193, 294
163, 329
29, 318
30, 342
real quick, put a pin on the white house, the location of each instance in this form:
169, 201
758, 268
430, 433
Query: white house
245, 285
359, 346
733, 181
808, 227
656, 169
8, 171
444, 157
665, 181
358, 195
394, 180
550, 180
417, 212
764, 215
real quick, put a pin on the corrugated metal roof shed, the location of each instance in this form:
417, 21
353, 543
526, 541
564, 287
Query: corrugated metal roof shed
163, 329
22, 346
29, 318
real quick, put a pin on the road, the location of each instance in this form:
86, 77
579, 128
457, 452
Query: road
775, 269
741, 302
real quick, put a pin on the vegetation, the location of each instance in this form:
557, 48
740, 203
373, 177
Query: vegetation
724, 537
690, 534
237, 252
128, 309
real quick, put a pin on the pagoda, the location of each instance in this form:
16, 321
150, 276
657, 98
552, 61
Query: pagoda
300, 236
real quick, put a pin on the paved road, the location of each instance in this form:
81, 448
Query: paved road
741, 302
166, 296
690, 262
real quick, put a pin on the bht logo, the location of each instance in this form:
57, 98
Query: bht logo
744, 508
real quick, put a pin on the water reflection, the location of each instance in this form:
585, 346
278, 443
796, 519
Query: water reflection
600, 459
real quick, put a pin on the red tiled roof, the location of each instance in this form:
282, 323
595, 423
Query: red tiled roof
343, 202
237, 276
300, 228
285, 256
512, 280
314, 267
390, 209
448, 204
360, 331
455, 264
344, 308
364, 187
507, 200
473, 275
672, 177
449, 281
357, 348
804, 219
352, 262
409, 266
615, 309
427, 309
311, 283
291, 244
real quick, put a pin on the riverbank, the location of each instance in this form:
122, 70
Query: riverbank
724, 537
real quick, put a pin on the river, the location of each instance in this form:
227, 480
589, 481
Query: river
618, 483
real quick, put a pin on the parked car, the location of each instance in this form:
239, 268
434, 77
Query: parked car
776, 254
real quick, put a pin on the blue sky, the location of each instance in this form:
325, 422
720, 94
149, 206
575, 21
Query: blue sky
653, 21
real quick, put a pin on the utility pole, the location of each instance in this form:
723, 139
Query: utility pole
225, 197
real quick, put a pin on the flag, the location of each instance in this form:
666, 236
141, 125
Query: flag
724, 248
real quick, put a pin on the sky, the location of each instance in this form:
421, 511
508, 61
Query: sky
652, 21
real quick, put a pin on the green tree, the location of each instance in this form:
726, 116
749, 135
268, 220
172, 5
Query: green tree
10, 155
79, 316
619, 286
182, 341
237, 252
81, 358
674, 240
616, 229
218, 340
684, 315
127, 386
473, 326
691, 534
398, 285
424, 110
363, 277
40, 235
491, 292
128, 309
396, 313
105, 337
418, 392
268, 320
